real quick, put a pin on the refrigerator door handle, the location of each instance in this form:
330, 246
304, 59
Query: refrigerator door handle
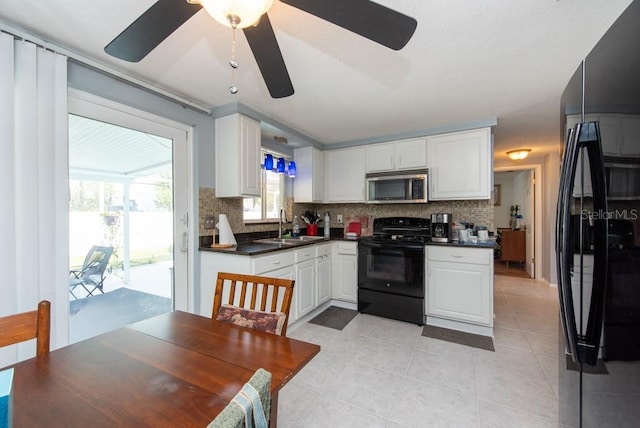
589, 345
564, 255
583, 347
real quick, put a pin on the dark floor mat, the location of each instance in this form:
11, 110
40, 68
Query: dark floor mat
462, 338
334, 317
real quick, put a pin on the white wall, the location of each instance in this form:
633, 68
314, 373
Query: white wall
520, 194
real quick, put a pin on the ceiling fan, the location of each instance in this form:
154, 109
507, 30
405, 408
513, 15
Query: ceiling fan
364, 17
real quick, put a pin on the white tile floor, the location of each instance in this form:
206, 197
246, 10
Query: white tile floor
382, 373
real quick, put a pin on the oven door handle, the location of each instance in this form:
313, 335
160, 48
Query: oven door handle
385, 249
390, 251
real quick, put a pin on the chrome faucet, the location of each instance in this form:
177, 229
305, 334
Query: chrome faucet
281, 223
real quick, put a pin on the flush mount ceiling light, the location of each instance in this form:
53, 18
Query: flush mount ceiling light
518, 154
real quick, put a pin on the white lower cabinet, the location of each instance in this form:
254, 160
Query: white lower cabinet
305, 295
460, 288
287, 272
345, 282
323, 272
279, 264
309, 265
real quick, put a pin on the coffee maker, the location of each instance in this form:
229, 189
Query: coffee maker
441, 227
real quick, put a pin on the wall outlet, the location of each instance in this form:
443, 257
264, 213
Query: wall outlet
209, 222
339, 218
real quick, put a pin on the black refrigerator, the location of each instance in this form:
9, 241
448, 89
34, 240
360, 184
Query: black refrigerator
598, 234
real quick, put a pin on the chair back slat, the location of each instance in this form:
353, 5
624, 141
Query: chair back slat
256, 293
243, 294
26, 326
232, 291
264, 297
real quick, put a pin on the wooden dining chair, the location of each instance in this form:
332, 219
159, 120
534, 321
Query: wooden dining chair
253, 401
259, 302
26, 326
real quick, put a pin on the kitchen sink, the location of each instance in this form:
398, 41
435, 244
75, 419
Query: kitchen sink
306, 238
276, 241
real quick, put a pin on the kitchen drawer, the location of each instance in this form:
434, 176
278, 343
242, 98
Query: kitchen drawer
306, 253
323, 250
273, 261
347, 248
460, 255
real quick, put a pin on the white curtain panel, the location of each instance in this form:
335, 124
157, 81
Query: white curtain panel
33, 187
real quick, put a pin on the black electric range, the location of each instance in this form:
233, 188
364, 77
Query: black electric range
391, 266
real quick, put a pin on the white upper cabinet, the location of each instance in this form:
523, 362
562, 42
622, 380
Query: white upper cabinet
460, 165
237, 149
308, 185
411, 154
380, 157
345, 175
397, 155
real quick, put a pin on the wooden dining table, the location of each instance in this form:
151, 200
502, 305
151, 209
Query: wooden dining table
174, 370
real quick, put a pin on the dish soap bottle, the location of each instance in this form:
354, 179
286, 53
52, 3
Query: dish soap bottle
327, 225
296, 227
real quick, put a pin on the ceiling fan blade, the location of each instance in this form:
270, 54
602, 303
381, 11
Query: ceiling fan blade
366, 18
266, 51
150, 29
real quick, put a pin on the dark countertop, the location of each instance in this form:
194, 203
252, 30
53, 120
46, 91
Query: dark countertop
257, 248
252, 248
247, 245
491, 244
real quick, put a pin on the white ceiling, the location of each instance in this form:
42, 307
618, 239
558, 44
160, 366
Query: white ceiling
469, 61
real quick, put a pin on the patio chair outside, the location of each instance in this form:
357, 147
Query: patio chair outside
91, 277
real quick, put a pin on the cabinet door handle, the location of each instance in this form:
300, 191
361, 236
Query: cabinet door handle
276, 263
457, 257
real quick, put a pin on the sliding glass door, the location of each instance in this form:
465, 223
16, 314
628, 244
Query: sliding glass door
129, 216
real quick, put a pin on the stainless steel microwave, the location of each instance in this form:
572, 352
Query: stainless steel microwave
397, 187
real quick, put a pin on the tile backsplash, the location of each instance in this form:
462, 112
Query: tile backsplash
479, 212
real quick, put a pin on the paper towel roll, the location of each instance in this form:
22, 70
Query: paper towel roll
224, 231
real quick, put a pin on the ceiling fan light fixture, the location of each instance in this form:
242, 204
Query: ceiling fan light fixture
235, 13
518, 154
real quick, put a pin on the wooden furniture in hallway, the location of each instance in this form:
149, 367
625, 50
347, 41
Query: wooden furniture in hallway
513, 245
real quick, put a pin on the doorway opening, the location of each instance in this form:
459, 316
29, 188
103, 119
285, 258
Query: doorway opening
517, 218
127, 218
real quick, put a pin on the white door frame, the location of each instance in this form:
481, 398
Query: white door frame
94, 107
537, 220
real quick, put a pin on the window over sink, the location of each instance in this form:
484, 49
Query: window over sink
271, 199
